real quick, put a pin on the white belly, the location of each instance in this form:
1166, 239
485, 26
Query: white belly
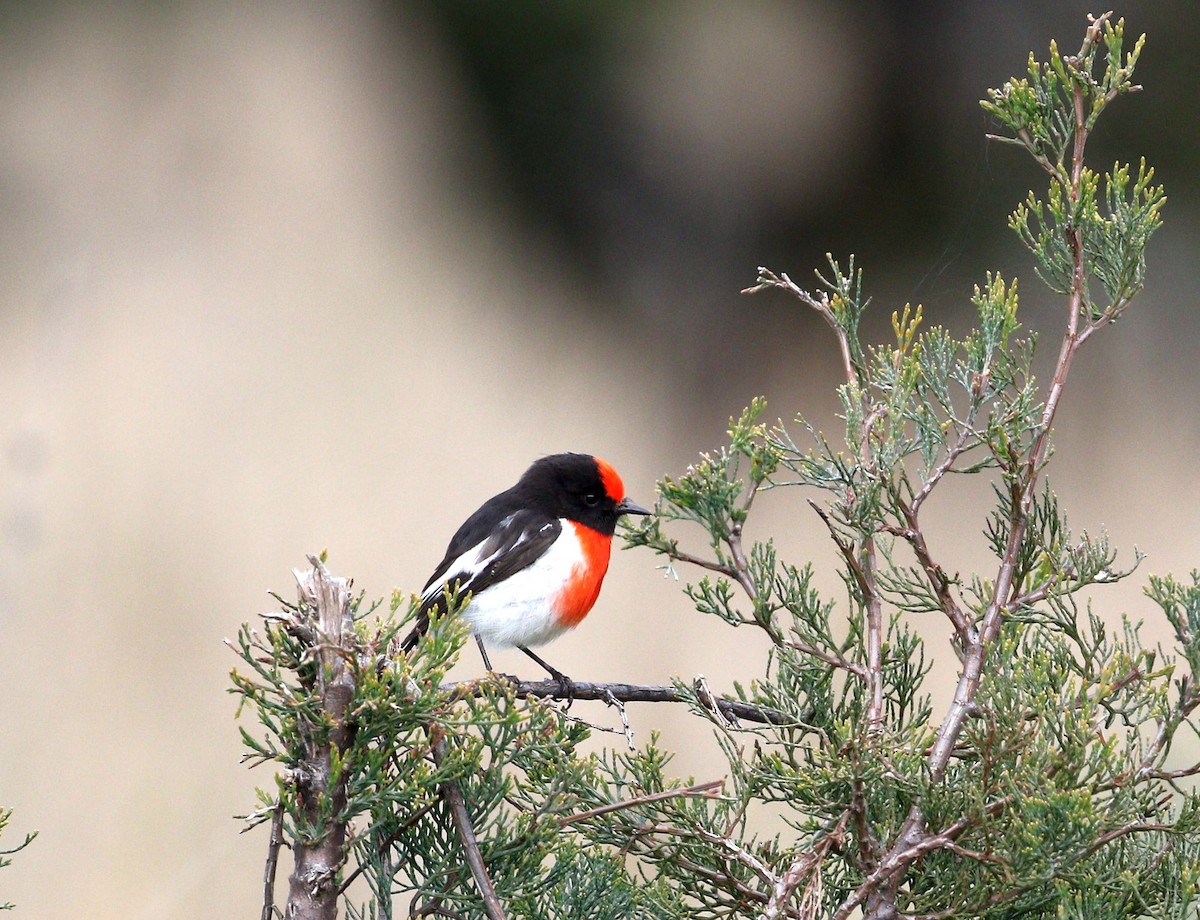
519, 611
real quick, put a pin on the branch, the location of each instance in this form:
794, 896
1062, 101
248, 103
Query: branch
873, 671
276, 841
452, 794
896, 862
768, 279
625, 693
912, 534
1023, 492
324, 608
701, 790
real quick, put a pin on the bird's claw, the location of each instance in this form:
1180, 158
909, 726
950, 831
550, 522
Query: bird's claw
566, 688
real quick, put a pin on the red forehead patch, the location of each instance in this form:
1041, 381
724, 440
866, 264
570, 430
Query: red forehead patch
612, 482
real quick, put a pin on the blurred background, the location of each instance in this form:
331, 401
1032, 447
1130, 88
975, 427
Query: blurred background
284, 277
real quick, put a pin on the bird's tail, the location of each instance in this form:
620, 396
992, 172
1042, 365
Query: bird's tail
414, 636
433, 602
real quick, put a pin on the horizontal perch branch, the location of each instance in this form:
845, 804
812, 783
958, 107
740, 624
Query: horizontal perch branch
628, 693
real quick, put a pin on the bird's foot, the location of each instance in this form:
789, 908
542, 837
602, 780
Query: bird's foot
566, 688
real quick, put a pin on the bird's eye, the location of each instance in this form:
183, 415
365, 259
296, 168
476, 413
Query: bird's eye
591, 499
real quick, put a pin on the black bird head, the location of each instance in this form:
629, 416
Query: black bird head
579, 487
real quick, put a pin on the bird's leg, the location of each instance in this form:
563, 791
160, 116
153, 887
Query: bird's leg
565, 686
487, 662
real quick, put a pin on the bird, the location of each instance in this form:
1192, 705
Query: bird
532, 558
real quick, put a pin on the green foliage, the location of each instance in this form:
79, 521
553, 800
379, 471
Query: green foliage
1048, 787
5, 816
1043, 790
515, 761
1051, 114
1115, 234
1051, 111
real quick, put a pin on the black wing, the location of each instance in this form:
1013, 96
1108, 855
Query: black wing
519, 541
490, 518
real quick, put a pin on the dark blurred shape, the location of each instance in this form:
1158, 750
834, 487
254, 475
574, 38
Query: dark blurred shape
665, 150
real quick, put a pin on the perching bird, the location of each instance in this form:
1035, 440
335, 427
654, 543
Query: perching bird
533, 557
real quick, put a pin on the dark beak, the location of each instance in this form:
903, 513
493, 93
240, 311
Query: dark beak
627, 507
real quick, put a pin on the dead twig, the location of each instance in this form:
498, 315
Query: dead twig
324, 608
806, 865
613, 701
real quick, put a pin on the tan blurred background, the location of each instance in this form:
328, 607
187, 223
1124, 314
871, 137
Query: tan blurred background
278, 278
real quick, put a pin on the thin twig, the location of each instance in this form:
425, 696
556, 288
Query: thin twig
276, 841
956, 450
709, 700
736, 818
1168, 775
1036, 595
768, 279
938, 580
434, 909
453, 796
862, 570
866, 580
975, 854
830, 658
1189, 701
625, 728
1133, 827
613, 701
739, 889
730, 850
874, 638
700, 790
845, 548
678, 555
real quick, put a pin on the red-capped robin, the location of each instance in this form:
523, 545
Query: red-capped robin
533, 557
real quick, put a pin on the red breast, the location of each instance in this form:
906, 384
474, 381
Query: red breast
578, 595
